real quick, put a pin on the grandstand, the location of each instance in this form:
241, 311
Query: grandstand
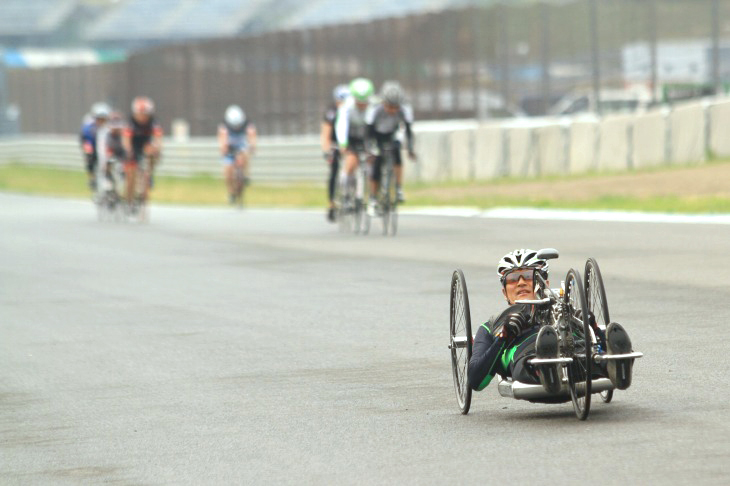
39, 20
137, 23
144, 22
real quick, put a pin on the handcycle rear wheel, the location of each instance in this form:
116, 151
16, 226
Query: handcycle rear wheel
577, 344
598, 305
460, 342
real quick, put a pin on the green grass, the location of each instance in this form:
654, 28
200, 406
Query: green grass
208, 190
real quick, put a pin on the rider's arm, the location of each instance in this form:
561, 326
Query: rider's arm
325, 136
408, 121
252, 136
156, 141
342, 125
484, 362
222, 139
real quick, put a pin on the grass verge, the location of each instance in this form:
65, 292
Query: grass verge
681, 190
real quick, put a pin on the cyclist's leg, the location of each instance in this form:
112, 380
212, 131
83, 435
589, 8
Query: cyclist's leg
334, 170
228, 175
130, 170
398, 171
91, 162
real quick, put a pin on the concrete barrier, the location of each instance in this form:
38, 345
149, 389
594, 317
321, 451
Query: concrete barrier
614, 145
583, 142
459, 149
552, 150
687, 134
719, 129
650, 140
488, 152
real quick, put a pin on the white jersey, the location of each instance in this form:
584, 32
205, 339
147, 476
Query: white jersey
351, 123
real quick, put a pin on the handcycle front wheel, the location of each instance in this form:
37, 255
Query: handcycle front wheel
578, 345
460, 341
598, 305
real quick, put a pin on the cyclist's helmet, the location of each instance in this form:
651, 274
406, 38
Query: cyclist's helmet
142, 105
362, 89
341, 92
392, 93
235, 117
521, 259
100, 110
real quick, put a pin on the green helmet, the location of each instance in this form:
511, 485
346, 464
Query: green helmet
361, 89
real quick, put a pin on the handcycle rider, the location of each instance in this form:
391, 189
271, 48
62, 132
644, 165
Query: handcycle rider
351, 128
504, 344
236, 141
142, 138
383, 121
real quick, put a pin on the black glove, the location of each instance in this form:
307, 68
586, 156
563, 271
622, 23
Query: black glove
514, 325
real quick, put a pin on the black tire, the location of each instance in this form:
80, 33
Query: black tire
576, 343
460, 341
598, 305
358, 216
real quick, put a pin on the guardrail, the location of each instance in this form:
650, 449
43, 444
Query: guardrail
461, 150
291, 159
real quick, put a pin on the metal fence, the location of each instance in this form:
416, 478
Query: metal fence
467, 63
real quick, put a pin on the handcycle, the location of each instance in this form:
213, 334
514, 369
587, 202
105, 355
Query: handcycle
350, 198
578, 311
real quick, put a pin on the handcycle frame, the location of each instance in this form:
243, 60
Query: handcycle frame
581, 342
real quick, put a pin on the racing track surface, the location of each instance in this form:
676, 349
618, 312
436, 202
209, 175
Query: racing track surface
214, 346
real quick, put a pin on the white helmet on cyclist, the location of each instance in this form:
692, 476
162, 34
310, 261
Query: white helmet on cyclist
523, 258
235, 116
392, 93
100, 110
142, 105
341, 92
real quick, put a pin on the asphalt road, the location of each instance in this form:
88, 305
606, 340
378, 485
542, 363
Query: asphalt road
215, 346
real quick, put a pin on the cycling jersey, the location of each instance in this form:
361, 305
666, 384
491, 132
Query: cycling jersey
237, 138
141, 134
88, 138
115, 146
492, 355
351, 125
382, 126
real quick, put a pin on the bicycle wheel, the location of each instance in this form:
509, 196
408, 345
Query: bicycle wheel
577, 344
460, 343
386, 201
598, 305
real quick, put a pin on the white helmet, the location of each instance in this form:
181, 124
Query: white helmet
142, 105
341, 92
235, 116
521, 259
392, 93
100, 110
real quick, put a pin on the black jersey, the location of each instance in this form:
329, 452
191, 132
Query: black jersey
141, 133
330, 116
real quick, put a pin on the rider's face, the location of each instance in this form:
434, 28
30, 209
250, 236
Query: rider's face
361, 105
521, 289
141, 117
391, 109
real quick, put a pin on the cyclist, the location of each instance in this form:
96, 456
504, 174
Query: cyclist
504, 343
91, 131
237, 141
115, 152
328, 140
351, 127
142, 138
383, 123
